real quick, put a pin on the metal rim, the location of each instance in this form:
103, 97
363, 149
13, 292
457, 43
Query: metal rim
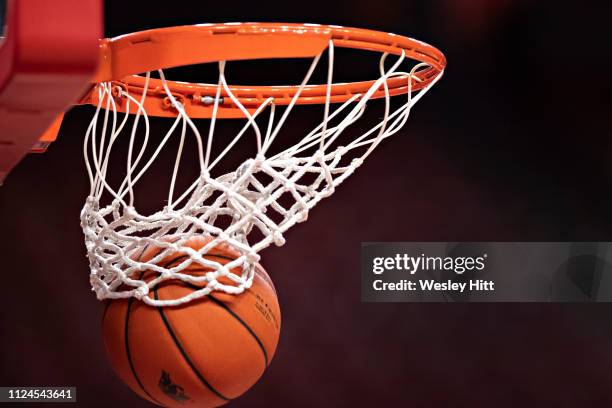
125, 56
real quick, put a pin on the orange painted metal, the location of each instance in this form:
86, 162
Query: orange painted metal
122, 58
186, 45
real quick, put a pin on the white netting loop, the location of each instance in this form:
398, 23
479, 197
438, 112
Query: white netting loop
210, 235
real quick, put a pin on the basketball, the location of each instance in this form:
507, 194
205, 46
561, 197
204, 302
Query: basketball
200, 354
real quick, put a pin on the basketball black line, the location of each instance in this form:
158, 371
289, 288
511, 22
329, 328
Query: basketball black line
225, 306
184, 353
127, 348
244, 324
127, 340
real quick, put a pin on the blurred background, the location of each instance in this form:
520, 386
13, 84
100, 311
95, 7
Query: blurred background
513, 144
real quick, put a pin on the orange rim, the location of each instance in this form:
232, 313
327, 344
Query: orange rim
123, 57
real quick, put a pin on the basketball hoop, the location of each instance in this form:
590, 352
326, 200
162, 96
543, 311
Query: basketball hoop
242, 209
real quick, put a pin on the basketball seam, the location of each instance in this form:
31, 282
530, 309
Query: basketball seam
129, 354
184, 353
127, 341
243, 323
226, 307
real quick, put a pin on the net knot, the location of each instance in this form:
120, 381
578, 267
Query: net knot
319, 156
141, 292
342, 150
356, 162
279, 240
130, 211
252, 258
302, 215
258, 161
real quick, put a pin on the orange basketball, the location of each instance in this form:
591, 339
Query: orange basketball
201, 354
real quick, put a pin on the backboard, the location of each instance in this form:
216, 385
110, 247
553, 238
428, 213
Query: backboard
48, 54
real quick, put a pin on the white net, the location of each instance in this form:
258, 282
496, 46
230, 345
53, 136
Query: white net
247, 209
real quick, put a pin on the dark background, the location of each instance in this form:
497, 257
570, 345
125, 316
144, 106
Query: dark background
513, 144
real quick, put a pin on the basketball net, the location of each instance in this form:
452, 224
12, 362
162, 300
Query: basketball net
243, 208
